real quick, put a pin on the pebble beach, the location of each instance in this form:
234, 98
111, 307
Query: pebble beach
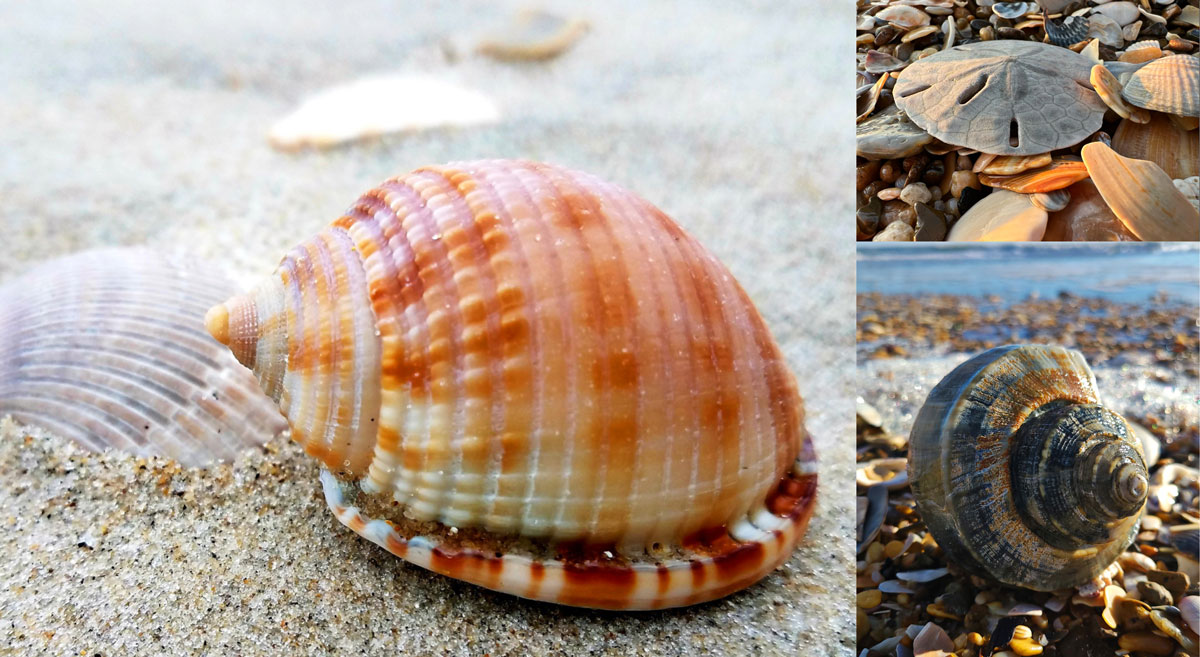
1143, 355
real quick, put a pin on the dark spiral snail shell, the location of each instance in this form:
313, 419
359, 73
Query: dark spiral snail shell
1021, 474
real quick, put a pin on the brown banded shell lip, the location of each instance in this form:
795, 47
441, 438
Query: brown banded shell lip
599, 577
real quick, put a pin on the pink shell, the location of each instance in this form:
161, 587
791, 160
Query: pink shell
540, 384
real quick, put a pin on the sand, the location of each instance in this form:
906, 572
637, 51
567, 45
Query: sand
128, 123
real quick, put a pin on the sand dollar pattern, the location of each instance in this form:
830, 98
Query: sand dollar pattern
1003, 97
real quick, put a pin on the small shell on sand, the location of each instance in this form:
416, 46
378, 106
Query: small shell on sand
380, 105
534, 36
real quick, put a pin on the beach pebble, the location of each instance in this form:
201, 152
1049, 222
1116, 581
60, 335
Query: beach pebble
1154, 594
931, 225
915, 193
960, 180
1173, 581
1146, 642
869, 599
897, 231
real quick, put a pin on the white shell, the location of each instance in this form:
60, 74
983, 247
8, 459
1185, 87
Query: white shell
108, 348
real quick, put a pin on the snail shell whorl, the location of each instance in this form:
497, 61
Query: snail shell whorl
532, 351
1019, 472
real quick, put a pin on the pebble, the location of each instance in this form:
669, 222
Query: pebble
1154, 594
1174, 582
931, 225
960, 180
889, 194
1146, 642
895, 232
915, 193
869, 599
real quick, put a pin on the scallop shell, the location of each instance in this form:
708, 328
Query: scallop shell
1141, 195
106, 348
533, 380
1161, 142
990, 495
1169, 84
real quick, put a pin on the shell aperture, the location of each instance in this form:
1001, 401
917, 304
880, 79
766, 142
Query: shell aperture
1021, 474
533, 380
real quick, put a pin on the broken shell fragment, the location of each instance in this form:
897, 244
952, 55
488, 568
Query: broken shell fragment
903, 16
532, 380
1066, 31
1009, 165
1001, 216
1141, 195
888, 135
380, 105
535, 36
1057, 175
1109, 90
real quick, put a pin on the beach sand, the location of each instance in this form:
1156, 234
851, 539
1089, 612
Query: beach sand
128, 123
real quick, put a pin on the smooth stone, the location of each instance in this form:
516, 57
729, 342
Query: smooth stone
1002, 216
914, 193
867, 218
1086, 218
889, 135
931, 225
1173, 581
970, 196
1154, 594
895, 232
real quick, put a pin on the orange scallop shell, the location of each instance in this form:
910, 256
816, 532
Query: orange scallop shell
533, 380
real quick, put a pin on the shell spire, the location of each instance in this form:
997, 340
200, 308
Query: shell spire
550, 367
1021, 474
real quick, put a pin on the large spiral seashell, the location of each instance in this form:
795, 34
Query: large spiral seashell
105, 347
530, 379
1021, 474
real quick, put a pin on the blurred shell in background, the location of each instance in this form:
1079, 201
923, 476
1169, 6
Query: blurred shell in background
108, 348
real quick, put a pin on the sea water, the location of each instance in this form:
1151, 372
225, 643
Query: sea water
1127, 272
